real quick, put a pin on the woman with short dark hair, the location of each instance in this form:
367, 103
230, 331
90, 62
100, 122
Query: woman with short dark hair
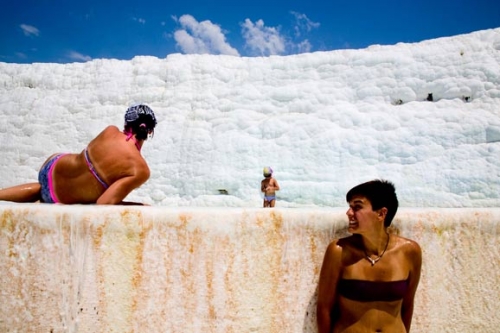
368, 280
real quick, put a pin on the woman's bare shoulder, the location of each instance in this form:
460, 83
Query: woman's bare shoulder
108, 134
408, 245
340, 244
111, 129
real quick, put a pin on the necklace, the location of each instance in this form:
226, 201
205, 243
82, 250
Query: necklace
374, 261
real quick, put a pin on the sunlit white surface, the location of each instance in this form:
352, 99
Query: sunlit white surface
86, 269
324, 121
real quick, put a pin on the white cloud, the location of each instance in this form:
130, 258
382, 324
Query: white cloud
29, 30
78, 56
303, 23
201, 37
205, 37
190, 44
304, 47
140, 20
262, 40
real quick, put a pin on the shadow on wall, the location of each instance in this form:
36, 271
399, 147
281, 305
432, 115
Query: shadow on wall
310, 325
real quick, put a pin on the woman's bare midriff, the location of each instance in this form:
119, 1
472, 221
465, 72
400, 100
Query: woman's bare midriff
369, 317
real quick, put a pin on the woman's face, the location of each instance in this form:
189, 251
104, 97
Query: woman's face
360, 214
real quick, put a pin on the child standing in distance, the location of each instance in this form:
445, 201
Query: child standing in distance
269, 186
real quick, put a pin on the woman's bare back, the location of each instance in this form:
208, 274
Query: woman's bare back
117, 162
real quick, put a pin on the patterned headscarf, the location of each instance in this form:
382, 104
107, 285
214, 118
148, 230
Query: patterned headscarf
134, 112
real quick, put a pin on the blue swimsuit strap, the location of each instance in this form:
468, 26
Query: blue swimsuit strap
92, 169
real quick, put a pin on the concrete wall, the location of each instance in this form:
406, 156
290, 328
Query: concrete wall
152, 269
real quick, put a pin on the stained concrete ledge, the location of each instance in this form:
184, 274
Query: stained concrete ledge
153, 269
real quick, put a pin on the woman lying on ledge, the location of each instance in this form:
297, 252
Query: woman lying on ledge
104, 173
369, 279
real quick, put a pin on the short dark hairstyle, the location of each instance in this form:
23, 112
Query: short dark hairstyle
381, 193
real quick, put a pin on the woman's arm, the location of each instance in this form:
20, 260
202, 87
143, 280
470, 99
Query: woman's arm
414, 259
115, 194
327, 287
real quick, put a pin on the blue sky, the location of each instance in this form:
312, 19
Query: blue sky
63, 31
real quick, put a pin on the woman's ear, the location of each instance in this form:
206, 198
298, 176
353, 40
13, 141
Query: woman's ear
382, 212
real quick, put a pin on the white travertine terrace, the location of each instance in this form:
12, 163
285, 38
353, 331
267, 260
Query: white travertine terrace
149, 269
324, 121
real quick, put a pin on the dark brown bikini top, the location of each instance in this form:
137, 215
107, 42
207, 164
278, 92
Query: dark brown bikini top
373, 291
